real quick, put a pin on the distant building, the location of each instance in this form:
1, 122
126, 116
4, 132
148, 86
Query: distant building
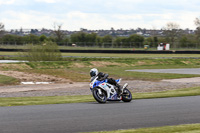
112, 31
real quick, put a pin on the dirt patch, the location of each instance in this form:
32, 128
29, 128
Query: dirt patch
79, 65
28, 77
141, 63
33, 88
186, 62
104, 64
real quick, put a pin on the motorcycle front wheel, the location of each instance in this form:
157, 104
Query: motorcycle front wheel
101, 98
126, 96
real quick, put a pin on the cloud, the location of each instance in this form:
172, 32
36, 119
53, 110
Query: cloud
75, 20
97, 14
77, 15
129, 17
13, 4
47, 1
7, 2
27, 20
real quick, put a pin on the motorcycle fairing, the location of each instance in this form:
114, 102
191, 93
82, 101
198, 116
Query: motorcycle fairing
110, 90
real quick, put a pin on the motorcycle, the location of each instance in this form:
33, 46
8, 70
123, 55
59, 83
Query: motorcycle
102, 91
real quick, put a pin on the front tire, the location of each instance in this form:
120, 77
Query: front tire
126, 96
101, 98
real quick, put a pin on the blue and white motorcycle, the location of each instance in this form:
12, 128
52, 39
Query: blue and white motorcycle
103, 91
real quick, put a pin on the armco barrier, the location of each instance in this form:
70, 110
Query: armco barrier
117, 51
187, 52
114, 51
10, 50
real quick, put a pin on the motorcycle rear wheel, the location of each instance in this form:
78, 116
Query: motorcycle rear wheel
101, 98
126, 96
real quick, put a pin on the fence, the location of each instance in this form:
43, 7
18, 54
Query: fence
129, 45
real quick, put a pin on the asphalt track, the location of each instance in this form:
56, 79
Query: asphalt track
177, 71
84, 117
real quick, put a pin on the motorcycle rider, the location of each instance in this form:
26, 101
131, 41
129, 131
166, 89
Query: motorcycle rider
102, 76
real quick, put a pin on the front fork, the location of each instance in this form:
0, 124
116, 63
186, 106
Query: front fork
125, 85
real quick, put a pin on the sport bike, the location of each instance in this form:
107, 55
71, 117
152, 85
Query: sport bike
103, 91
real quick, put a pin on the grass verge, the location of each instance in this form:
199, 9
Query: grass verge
6, 80
187, 128
21, 101
96, 55
195, 91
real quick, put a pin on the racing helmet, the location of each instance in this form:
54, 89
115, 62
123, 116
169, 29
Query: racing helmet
93, 72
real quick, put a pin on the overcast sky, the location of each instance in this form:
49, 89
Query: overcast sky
98, 14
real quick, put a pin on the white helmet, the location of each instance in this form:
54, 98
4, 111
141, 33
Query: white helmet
93, 72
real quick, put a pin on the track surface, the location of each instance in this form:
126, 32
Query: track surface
178, 71
83, 117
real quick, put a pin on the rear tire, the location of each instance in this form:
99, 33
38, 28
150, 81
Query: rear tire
126, 96
99, 98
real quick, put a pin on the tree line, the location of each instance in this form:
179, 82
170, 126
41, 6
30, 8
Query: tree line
172, 34
80, 39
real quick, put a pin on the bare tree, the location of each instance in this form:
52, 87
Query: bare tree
172, 31
1, 29
197, 32
58, 32
197, 22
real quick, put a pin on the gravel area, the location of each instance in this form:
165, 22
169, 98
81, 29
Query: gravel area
82, 88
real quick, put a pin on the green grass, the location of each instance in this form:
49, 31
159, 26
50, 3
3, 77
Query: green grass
6, 80
130, 55
187, 128
118, 55
19, 101
195, 91
82, 74
97, 48
64, 73
8, 53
